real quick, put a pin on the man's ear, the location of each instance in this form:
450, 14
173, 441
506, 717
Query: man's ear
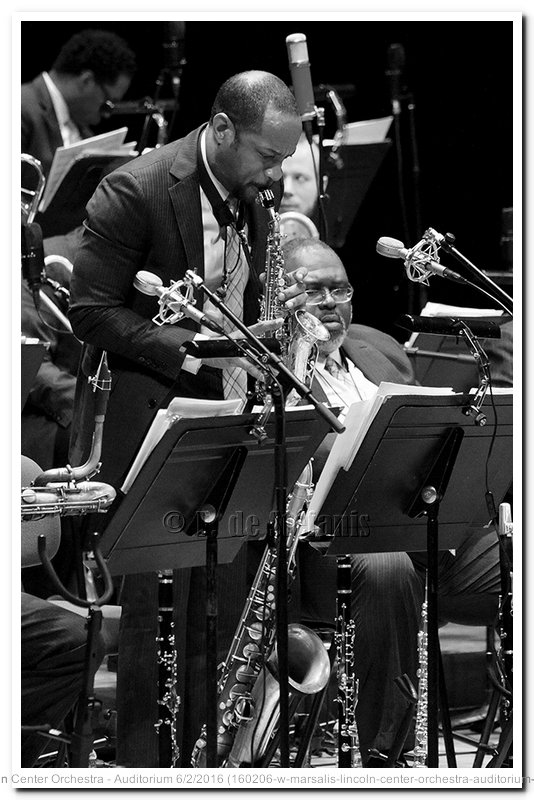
223, 129
86, 80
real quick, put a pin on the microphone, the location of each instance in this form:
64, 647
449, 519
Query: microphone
394, 72
33, 260
450, 326
150, 284
414, 259
225, 348
299, 66
174, 51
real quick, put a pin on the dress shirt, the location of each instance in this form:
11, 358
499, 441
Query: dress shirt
69, 130
350, 385
214, 246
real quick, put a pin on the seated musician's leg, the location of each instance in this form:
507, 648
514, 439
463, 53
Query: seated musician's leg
387, 599
470, 581
53, 645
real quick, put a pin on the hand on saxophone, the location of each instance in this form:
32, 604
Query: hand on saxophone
294, 294
259, 329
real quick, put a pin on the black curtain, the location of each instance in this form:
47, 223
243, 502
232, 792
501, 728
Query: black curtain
460, 76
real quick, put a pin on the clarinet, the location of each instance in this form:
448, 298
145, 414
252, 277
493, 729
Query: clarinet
168, 700
420, 751
347, 697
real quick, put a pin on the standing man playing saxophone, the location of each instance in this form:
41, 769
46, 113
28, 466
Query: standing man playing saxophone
168, 211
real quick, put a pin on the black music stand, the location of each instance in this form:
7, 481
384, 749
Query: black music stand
192, 494
432, 459
348, 186
31, 358
66, 209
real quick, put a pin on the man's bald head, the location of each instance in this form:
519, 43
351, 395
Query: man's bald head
247, 96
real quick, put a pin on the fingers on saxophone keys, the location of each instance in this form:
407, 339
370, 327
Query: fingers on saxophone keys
294, 294
259, 328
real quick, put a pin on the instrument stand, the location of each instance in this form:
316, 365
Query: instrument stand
427, 502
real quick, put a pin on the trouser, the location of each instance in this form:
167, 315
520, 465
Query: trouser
137, 678
387, 596
53, 646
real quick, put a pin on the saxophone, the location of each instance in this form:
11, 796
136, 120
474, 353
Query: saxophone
248, 691
301, 331
420, 751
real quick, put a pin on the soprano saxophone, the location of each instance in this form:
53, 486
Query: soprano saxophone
248, 691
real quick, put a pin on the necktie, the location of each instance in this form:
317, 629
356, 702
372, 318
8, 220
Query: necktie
234, 380
332, 367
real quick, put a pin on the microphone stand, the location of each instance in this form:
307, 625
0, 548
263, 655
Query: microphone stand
323, 197
504, 299
151, 104
273, 366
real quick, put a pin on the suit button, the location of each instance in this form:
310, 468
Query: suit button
152, 404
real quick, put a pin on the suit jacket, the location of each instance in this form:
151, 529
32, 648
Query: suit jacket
41, 135
380, 357
145, 215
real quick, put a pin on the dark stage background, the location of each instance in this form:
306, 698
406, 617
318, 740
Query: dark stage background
460, 75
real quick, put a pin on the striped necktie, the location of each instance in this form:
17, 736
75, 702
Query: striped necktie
332, 367
234, 380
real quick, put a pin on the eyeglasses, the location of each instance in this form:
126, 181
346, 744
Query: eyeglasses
315, 297
108, 105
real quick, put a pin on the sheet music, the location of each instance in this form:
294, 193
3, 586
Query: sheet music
179, 408
64, 157
346, 445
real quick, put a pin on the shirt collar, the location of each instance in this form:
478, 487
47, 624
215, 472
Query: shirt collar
58, 101
336, 355
218, 185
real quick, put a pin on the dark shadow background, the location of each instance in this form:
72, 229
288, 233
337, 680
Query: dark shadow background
460, 76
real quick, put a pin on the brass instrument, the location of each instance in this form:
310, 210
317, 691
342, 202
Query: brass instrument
29, 207
59, 491
301, 331
248, 690
294, 225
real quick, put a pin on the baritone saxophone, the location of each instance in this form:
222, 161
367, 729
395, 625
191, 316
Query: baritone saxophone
248, 690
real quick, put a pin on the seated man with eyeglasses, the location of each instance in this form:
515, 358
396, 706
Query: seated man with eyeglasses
60, 107
387, 588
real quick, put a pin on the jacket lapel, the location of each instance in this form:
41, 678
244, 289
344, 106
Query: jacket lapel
185, 199
374, 365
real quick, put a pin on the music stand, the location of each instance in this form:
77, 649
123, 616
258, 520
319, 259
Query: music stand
193, 492
348, 186
66, 210
432, 459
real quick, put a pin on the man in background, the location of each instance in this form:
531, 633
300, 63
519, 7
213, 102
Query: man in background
61, 107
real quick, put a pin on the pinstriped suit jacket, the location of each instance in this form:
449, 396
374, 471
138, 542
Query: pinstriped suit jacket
145, 215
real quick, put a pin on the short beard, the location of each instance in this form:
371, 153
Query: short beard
334, 342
